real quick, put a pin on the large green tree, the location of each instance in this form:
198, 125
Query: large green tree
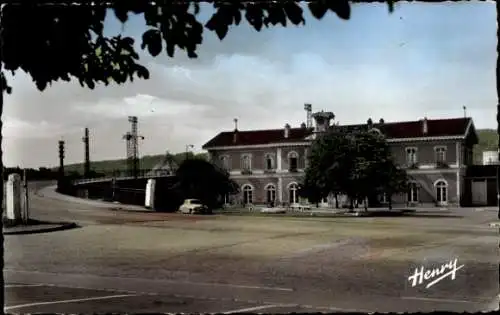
356, 163
200, 179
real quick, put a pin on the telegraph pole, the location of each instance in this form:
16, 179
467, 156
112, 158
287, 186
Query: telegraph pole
61, 162
26, 199
86, 165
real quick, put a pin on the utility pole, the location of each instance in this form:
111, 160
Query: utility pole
86, 165
26, 199
61, 160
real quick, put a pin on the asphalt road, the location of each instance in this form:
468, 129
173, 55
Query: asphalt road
129, 261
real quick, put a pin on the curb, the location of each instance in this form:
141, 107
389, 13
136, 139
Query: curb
60, 227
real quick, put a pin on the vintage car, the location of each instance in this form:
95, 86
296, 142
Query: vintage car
193, 206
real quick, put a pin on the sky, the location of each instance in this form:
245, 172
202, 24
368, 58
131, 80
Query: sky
423, 60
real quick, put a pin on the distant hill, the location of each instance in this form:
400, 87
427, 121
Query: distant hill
488, 141
146, 162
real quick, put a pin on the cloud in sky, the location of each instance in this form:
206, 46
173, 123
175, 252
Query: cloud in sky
423, 60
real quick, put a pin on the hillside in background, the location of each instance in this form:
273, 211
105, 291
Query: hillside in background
146, 162
488, 141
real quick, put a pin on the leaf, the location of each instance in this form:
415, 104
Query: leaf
294, 12
41, 85
342, 8
152, 40
128, 41
121, 13
221, 31
318, 9
212, 22
217, 24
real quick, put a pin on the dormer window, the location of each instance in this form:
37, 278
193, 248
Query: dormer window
411, 156
293, 161
269, 162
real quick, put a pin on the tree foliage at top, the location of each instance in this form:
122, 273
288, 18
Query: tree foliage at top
355, 163
64, 41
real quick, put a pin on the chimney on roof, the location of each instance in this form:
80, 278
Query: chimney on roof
287, 131
303, 125
235, 133
369, 122
425, 127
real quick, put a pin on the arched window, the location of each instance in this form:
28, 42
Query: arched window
269, 162
293, 161
247, 191
441, 191
293, 193
246, 162
270, 193
224, 162
413, 192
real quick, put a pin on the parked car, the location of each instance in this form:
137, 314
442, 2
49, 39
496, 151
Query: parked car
273, 210
193, 206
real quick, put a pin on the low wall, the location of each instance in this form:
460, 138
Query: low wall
133, 192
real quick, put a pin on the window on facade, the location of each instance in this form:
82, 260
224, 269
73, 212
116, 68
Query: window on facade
411, 155
269, 162
246, 162
412, 193
293, 193
440, 154
441, 191
224, 161
270, 193
293, 160
247, 194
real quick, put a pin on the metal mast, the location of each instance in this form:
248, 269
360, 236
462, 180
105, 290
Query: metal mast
132, 139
